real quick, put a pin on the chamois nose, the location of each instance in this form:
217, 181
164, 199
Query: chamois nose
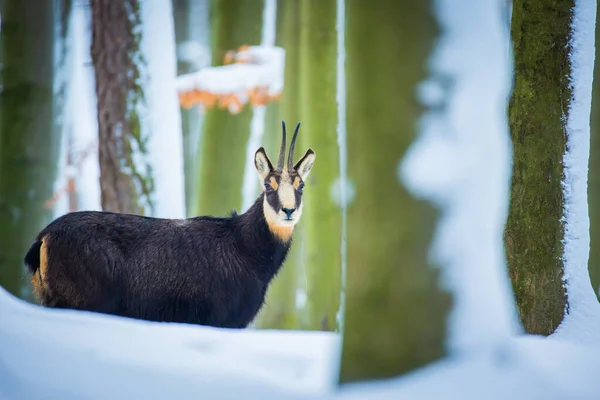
288, 211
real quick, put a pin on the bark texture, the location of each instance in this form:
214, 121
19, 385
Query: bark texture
125, 179
29, 143
594, 170
537, 112
396, 313
223, 143
318, 111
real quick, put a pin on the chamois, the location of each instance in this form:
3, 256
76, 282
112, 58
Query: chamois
203, 270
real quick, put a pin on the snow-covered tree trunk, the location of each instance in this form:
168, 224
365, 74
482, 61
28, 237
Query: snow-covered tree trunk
29, 144
65, 196
318, 112
161, 118
395, 313
234, 23
279, 311
181, 15
538, 112
125, 177
594, 170
191, 34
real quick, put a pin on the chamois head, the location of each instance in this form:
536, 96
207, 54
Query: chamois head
283, 185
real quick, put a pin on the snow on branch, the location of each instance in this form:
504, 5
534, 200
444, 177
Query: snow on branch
252, 74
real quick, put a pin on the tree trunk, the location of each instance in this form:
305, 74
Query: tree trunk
322, 216
125, 182
29, 144
594, 170
396, 313
537, 117
233, 23
190, 119
181, 11
161, 116
279, 311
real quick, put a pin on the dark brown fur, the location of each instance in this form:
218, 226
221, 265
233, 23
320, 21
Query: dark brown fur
204, 270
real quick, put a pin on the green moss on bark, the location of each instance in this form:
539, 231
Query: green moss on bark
221, 171
396, 313
29, 144
318, 107
537, 116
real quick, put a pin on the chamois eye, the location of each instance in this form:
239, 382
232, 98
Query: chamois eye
268, 187
301, 186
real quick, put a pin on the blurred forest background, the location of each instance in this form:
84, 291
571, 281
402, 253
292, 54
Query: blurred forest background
156, 108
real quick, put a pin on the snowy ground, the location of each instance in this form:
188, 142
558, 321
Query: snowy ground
62, 354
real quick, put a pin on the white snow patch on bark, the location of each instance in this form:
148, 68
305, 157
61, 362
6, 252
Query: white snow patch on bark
165, 148
82, 122
461, 162
582, 322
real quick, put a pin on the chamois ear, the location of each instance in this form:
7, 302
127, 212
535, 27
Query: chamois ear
305, 164
262, 163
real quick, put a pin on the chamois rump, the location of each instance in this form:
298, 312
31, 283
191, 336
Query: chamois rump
204, 270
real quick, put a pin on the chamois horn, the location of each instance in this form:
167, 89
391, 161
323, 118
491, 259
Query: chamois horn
291, 155
282, 150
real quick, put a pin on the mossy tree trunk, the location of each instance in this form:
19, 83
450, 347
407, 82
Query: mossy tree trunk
318, 111
594, 170
29, 144
126, 182
537, 117
221, 171
279, 311
396, 313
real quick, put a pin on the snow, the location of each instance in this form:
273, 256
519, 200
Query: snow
461, 163
265, 70
527, 367
65, 354
165, 148
52, 353
582, 322
257, 67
